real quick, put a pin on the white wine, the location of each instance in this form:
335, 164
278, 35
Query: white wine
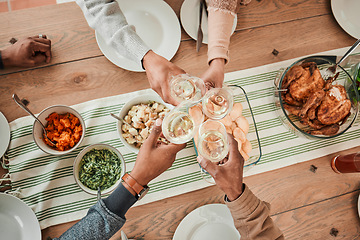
184, 87
217, 103
213, 145
178, 127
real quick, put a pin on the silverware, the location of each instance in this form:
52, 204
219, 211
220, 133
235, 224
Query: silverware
123, 236
22, 105
200, 33
351, 49
205, 7
120, 119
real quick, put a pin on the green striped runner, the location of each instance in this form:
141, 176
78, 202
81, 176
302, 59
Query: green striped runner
47, 185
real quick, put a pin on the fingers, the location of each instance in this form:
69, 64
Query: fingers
234, 154
175, 148
43, 40
44, 48
39, 58
167, 96
206, 164
155, 134
38, 36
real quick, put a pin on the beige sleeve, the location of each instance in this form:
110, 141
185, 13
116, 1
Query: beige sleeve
252, 218
219, 31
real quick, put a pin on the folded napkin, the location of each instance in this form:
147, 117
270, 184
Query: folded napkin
47, 184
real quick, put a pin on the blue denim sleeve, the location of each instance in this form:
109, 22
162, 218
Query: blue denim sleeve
103, 219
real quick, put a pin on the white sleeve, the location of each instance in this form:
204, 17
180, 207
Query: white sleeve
106, 17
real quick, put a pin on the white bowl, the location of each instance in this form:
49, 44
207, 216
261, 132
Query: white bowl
77, 165
124, 111
38, 131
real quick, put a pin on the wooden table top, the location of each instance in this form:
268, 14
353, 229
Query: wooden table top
304, 204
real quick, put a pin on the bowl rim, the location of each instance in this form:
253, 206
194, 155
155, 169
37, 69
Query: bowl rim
328, 60
56, 152
128, 106
78, 160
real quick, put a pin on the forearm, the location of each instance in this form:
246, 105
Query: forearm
107, 18
103, 219
252, 217
220, 22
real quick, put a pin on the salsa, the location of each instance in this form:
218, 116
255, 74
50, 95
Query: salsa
99, 168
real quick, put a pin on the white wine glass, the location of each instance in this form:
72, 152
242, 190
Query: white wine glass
178, 126
184, 87
217, 103
212, 141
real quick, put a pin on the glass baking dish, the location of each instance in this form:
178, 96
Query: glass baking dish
240, 95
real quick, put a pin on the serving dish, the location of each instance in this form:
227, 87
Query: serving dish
76, 168
240, 96
292, 122
17, 220
146, 98
38, 131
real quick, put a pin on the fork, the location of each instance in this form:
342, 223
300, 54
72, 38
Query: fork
351, 49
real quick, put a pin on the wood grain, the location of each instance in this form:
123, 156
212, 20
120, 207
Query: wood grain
305, 205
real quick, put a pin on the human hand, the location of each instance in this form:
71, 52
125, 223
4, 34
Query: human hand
214, 75
154, 157
27, 52
159, 70
228, 176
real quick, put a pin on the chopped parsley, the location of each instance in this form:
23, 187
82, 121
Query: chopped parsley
99, 168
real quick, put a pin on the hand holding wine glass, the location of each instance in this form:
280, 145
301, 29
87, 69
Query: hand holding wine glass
228, 176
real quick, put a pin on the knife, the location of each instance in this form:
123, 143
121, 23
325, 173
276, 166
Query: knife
200, 33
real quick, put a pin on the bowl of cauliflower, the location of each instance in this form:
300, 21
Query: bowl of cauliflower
139, 115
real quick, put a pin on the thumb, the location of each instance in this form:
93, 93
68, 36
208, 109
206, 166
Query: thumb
39, 58
206, 164
175, 148
155, 133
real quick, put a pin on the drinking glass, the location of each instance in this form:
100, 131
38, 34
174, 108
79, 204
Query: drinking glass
213, 142
178, 126
184, 87
349, 163
217, 103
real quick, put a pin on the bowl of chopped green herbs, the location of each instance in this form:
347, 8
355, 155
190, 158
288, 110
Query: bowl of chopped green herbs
98, 166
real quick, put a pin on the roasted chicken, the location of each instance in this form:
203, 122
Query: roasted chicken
318, 103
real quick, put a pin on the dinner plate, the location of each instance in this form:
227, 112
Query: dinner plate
17, 220
4, 133
208, 222
359, 205
156, 24
346, 13
189, 17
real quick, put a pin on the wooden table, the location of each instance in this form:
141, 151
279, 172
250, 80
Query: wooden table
305, 204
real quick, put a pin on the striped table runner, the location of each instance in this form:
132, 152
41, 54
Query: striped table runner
47, 185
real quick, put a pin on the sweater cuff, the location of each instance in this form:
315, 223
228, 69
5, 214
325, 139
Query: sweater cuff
120, 201
245, 204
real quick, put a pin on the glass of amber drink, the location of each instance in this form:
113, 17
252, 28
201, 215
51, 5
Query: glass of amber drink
349, 163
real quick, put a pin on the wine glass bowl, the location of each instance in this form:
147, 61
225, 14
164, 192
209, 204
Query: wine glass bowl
184, 87
213, 142
217, 103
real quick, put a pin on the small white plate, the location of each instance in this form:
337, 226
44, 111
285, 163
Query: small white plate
5, 134
17, 220
189, 16
209, 222
157, 25
346, 13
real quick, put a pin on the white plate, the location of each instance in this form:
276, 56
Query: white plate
17, 220
156, 24
189, 16
4, 133
346, 13
359, 205
209, 222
